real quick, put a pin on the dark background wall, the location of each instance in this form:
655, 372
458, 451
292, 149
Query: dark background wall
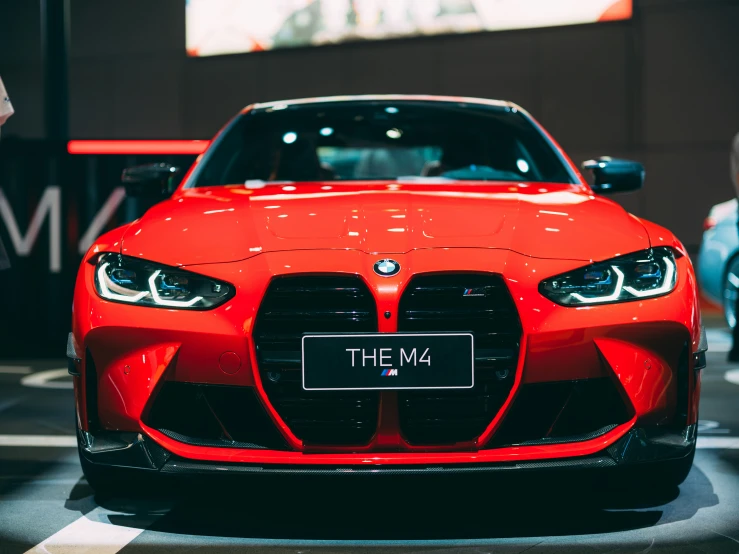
662, 88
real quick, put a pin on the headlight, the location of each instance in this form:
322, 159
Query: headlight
133, 281
641, 275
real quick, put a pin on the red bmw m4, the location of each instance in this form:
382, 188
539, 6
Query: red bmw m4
386, 284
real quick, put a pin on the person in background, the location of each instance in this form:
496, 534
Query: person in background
6, 110
734, 352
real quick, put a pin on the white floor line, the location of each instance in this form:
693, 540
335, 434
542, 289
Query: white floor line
719, 443
732, 376
719, 340
90, 533
58, 441
47, 379
15, 369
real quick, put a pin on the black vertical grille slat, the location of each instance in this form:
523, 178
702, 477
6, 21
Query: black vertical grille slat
475, 302
298, 304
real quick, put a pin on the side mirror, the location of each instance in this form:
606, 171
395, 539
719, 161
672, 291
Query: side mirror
150, 180
612, 175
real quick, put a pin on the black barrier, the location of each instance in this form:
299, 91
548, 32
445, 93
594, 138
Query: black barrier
53, 205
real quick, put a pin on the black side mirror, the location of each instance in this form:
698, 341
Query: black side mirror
613, 175
150, 180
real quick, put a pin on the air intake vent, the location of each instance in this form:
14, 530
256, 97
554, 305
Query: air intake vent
213, 415
300, 304
562, 411
475, 302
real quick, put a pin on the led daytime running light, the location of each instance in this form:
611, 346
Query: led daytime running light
609, 298
637, 276
106, 292
173, 303
666, 286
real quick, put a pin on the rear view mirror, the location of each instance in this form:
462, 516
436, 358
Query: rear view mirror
150, 180
611, 175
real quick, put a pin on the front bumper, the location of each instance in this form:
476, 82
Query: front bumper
645, 348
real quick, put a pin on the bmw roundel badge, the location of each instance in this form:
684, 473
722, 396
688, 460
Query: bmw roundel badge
387, 268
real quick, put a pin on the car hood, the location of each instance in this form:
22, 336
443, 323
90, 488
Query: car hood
229, 223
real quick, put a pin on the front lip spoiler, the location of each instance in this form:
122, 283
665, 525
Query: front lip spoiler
181, 466
121, 449
136, 450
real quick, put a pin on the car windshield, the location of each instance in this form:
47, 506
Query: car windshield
381, 140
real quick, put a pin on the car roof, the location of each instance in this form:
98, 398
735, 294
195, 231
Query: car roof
384, 97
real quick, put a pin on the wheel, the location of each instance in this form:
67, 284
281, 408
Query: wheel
731, 290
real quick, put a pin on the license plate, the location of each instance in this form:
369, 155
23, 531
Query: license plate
388, 361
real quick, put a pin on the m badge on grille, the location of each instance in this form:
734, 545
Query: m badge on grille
474, 292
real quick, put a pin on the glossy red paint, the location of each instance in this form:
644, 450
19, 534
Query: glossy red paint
525, 232
538, 220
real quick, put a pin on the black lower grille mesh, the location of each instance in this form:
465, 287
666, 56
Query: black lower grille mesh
563, 411
475, 302
299, 304
213, 415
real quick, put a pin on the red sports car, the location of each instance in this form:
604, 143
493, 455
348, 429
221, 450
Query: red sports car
386, 284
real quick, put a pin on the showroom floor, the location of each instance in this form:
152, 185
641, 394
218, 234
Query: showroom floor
46, 505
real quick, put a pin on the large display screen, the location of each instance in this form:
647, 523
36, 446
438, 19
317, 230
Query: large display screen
234, 26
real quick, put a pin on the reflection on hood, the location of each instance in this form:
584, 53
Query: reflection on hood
223, 224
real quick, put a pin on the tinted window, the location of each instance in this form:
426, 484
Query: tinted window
344, 141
